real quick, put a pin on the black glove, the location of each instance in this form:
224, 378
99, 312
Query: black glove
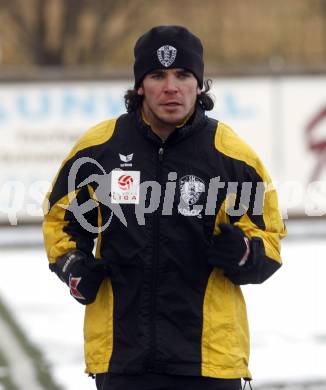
229, 250
82, 274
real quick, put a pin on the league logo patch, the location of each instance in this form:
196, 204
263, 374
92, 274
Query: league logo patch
166, 55
125, 182
125, 186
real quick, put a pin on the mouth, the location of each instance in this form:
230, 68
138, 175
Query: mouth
171, 104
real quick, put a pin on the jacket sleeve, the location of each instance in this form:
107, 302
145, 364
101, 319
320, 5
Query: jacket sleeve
260, 218
71, 211
265, 232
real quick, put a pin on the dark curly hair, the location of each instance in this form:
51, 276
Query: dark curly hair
133, 101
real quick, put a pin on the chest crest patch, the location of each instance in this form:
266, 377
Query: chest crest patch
191, 187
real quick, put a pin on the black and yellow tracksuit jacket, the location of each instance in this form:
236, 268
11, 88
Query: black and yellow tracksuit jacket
163, 308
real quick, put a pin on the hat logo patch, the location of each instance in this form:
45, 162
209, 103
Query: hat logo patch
166, 55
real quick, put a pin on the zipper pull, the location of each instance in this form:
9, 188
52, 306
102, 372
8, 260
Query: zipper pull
160, 153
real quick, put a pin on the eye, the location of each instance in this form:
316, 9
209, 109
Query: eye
156, 76
184, 75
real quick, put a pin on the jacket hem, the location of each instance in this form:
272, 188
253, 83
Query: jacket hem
225, 373
96, 368
190, 369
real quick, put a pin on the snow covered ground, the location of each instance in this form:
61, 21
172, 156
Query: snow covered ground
287, 314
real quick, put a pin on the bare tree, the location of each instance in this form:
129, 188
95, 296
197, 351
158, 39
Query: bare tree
59, 32
323, 14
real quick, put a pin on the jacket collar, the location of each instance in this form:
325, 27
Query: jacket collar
196, 122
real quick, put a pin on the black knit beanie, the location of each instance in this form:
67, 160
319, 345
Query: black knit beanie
166, 47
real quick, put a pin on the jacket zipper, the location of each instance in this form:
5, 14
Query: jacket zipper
156, 230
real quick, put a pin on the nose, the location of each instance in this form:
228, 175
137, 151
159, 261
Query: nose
170, 85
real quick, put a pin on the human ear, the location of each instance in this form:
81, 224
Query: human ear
140, 91
198, 91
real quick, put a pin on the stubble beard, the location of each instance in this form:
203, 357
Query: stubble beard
166, 120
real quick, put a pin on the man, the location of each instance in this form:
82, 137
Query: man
183, 212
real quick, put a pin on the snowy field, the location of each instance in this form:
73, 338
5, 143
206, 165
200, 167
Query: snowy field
287, 314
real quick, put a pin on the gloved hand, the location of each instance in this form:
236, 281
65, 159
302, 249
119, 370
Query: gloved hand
83, 275
230, 249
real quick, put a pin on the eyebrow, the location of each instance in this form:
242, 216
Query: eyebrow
181, 70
